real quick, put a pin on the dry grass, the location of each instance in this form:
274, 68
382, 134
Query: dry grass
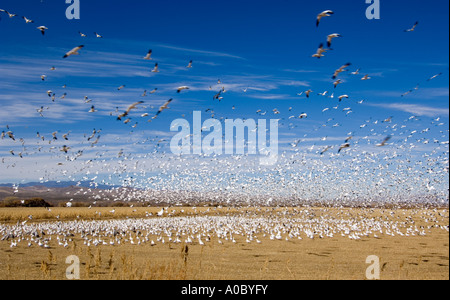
337, 258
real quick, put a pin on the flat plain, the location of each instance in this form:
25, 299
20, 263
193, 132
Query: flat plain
256, 243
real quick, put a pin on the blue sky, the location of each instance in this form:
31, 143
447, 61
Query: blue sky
263, 47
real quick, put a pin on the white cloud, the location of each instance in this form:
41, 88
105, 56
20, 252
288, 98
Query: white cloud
416, 109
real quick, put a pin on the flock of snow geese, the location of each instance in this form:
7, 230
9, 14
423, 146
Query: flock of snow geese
248, 226
299, 175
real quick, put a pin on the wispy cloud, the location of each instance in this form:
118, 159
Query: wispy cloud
416, 109
202, 52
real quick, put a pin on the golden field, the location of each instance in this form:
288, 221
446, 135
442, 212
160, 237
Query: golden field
418, 257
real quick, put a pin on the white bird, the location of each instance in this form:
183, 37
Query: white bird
303, 116
82, 34
366, 77
433, 77
156, 69
383, 143
325, 150
340, 70
74, 51
320, 51
179, 89
412, 28
42, 29
189, 65
326, 13
342, 97
149, 55
98, 35
331, 37
9, 14
344, 146
127, 111
307, 93
27, 20
337, 82
164, 107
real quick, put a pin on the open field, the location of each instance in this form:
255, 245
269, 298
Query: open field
265, 243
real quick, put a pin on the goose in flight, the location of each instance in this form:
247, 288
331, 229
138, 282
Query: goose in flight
164, 107
433, 77
190, 64
331, 37
149, 55
182, 88
326, 13
337, 82
412, 28
355, 72
127, 111
344, 146
307, 93
8, 13
82, 34
42, 29
120, 87
74, 51
156, 69
320, 51
366, 77
340, 70
98, 35
383, 143
325, 150
342, 97
27, 20
65, 149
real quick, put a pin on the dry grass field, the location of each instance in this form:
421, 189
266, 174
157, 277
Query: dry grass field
415, 257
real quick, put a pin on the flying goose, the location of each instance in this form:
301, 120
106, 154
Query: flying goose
156, 69
342, 97
74, 51
337, 82
320, 51
42, 29
412, 28
127, 111
27, 20
164, 107
331, 37
344, 146
383, 143
340, 70
433, 77
326, 13
189, 65
182, 88
149, 55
